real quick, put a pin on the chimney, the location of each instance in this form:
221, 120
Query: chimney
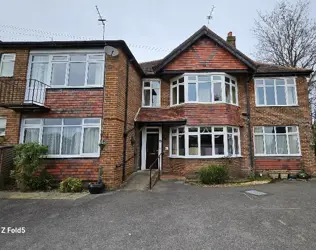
231, 39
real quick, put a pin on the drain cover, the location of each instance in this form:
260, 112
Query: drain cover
255, 192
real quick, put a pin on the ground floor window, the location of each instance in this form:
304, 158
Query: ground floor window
65, 137
205, 142
278, 140
3, 123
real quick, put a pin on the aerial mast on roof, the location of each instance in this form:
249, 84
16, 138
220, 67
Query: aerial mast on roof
102, 20
210, 16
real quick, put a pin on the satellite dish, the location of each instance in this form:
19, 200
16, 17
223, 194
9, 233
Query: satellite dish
110, 51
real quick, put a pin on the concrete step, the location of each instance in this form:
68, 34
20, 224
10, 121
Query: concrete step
140, 180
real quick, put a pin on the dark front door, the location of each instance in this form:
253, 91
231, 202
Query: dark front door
152, 150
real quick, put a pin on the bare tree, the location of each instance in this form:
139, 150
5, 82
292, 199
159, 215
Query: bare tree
287, 37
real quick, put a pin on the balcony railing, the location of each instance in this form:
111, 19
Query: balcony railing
15, 94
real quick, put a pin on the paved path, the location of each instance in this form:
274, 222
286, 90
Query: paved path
172, 216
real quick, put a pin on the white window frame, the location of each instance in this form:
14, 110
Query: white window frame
257, 85
297, 133
151, 89
198, 133
211, 74
2, 61
41, 127
5, 125
68, 53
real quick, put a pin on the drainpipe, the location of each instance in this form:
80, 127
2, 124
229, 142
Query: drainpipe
125, 120
250, 142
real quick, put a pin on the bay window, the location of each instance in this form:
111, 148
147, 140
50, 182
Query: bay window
276, 92
68, 70
279, 140
151, 93
67, 137
204, 142
204, 88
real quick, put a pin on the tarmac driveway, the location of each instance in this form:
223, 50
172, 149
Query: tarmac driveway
172, 216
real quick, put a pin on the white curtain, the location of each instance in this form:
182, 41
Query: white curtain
51, 138
91, 140
293, 143
270, 144
31, 135
282, 144
39, 71
259, 144
71, 140
230, 144
95, 74
291, 95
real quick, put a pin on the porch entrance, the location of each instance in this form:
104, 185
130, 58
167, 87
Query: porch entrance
151, 147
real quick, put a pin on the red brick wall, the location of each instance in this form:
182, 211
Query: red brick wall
188, 60
277, 163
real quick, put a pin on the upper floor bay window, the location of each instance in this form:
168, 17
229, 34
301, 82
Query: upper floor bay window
204, 142
204, 88
68, 70
276, 140
276, 92
7, 65
151, 93
67, 137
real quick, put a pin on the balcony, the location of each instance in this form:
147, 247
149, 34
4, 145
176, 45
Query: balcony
21, 97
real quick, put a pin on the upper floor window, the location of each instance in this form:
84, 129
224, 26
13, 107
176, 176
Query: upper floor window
151, 93
68, 70
7, 65
3, 123
276, 92
276, 140
204, 88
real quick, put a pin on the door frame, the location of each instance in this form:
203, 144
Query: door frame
144, 146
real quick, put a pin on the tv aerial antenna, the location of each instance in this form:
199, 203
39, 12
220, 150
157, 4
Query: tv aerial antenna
102, 21
210, 16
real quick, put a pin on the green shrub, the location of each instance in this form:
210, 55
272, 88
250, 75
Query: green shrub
28, 161
41, 182
213, 174
70, 185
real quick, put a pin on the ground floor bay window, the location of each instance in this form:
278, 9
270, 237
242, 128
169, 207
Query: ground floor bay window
204, 142
67, 137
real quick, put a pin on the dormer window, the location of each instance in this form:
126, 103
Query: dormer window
151, 93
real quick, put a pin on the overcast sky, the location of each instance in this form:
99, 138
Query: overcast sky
158, 25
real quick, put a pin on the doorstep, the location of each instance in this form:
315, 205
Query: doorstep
53, 195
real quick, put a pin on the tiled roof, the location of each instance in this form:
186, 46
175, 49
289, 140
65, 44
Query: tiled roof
160, 115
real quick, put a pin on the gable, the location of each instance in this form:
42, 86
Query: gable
205, 54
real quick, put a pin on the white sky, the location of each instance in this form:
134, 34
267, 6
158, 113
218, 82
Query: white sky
162, 24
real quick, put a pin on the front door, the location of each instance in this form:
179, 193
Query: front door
152, 147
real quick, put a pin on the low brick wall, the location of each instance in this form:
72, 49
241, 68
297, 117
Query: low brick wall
6, 164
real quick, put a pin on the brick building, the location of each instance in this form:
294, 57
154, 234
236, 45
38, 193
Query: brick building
205, 102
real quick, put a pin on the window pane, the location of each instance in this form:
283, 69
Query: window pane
217, 78
192, 92
259, 82
58, 74
92, 121
174, 145
155, 85
270, 96
72, 121
39, 72
229, 129
291, 97
52, 121
155, 97
174, 96
32, 121
280, 82
258, 129
181, 130
146, 97
3, 122
7, 69
181, 80
290, 81
206, 144
293, 144
234, 94
227, 91
206, 129
204, 78
230, 144
282, 144
219, 144
31, 135
270, 144
51, 138
292, 129
269, 129
259, 149
78, 58
193, 145
8, 57
40, 58
281, 95
236, 142
269, 82
96, 57
181, 145
217, 91
181, 94
71, 141
76, 74
193, 129
95, 74
91, 140
260, 95
192, 78
174, 131
205, 92
59, 58
146, 84
280, 130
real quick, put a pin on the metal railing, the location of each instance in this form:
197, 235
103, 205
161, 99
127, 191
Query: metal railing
150, 169
18, 92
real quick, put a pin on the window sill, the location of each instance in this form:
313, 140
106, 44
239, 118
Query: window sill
205, 103
275, 155
205, 157
71, 156
151, 107
269, 106
74, 87
6, 76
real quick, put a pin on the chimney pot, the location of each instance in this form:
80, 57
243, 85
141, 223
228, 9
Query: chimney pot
231, 39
